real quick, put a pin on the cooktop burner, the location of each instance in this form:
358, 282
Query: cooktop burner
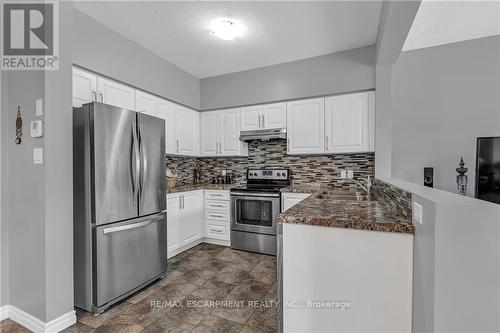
265, 180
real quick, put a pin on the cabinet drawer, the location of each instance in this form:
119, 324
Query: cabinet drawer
216, 195
217, 205
217, 230
218, 215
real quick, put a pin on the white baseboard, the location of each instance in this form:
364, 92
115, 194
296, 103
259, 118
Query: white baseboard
36, 325
4, 312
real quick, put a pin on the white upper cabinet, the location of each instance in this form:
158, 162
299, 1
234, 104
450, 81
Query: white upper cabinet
230, 133
165, 110
251, 118
210, 133
349, 123
145, 103
266, 116
84, 87
187, 129
274, 115
305, 126
220, 133
114, 93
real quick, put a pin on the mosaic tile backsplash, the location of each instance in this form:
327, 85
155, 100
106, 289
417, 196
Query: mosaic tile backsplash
394, 196
305, 169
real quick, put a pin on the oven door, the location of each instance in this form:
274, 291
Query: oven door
255, 212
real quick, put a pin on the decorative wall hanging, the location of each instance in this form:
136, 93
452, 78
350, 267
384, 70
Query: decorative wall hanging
462, 178
19, 126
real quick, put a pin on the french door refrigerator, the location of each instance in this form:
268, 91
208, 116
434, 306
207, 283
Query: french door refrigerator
120, 229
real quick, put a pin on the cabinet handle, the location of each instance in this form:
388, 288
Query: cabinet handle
216, 230
326, 143
259, 120
180, 205
213, 215
177, 146
101, 96
183, 202
217, 148
263, 122
216, 205
94, 95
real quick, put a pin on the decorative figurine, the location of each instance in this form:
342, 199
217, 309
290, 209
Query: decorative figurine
19, 126
462, 178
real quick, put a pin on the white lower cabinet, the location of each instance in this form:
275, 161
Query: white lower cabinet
291, 199
217, 217
184, 220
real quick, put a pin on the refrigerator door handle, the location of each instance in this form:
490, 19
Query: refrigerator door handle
132, 226
136, 158
144, 166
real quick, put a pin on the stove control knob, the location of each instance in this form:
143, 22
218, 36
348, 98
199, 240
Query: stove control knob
279, 174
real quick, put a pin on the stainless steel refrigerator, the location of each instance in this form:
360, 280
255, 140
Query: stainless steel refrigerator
120, 229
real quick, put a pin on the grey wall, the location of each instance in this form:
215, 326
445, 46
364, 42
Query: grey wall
59, 176
37, 211
443, 98
100, 49
23, 193
329, 74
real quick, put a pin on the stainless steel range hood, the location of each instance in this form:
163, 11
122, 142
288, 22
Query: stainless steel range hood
263, 135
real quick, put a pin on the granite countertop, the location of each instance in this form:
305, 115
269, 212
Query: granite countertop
364, 215
200, 186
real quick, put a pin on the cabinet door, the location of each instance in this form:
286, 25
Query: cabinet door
210, 137
173, 237
114, 93
251, 118
187, 128
190, 222
349, 123
274, 115
230, 144
305, 126
84, 87
145, 103
165, 110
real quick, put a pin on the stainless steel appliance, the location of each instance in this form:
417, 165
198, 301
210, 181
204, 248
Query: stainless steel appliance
263, 134
255, 208
120, 229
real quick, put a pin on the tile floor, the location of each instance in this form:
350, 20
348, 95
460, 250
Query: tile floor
181, 301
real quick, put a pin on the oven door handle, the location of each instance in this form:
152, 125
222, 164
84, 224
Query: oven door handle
247, 194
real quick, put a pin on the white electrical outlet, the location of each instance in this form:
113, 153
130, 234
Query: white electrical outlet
37, 156
417, 212
350, 174
39, 107
343, 174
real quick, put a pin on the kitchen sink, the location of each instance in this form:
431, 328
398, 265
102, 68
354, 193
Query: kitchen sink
343, 195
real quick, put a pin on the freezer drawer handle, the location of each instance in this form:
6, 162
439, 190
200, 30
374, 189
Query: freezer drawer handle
130, 226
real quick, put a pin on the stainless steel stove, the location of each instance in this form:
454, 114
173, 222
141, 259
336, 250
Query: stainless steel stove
255, 208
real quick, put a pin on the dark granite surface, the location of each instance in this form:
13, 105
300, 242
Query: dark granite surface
352, 214
201, 186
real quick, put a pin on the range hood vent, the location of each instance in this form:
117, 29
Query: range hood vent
263, 135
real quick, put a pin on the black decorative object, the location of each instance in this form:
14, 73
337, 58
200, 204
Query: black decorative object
429, 177
462, 178
19, 126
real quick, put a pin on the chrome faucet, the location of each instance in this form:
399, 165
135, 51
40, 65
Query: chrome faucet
368, 186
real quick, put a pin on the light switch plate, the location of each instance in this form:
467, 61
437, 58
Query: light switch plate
37, 155
350, 174
39, 107
343, 174
417, 212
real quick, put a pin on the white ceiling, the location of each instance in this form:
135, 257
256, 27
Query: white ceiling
444, 22
274, 32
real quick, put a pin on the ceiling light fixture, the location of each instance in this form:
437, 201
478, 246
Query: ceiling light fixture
226, 30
